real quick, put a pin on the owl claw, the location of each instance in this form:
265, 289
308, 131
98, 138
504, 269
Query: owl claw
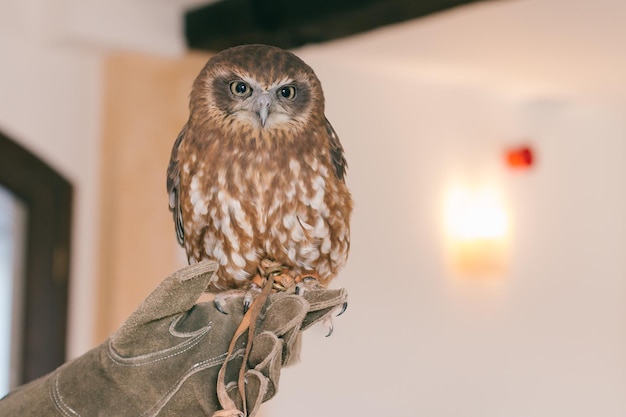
219, 305
247, 297
307, 283
299, 288
247, 301
344, 307
328, 323
311, 280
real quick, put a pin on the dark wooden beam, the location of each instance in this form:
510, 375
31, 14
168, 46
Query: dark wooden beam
289, 24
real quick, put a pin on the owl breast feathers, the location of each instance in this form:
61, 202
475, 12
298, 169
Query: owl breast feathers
258, 172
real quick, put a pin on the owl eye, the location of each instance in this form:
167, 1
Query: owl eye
288, 92
240, 88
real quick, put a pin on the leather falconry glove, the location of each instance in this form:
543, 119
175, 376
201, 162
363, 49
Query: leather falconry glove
165, 359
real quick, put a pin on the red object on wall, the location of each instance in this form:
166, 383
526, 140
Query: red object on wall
520, 157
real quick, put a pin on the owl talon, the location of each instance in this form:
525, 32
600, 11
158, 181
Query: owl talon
247, 301
246, 296
219, 305
344, 307
308, 282
299, 289
328, 323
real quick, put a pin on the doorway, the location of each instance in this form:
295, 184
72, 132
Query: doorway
35, 217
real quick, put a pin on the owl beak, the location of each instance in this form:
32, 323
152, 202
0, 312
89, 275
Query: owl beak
263, 108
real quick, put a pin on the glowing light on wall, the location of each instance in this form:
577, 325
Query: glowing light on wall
477, 225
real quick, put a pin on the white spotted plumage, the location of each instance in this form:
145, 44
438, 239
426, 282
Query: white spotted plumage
247, 185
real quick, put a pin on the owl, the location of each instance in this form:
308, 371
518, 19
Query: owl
258, 172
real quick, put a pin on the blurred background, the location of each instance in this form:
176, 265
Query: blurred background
486, 145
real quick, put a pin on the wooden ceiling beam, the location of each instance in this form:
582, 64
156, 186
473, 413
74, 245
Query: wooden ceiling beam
290, 24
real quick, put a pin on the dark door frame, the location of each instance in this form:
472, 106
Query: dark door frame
48, 198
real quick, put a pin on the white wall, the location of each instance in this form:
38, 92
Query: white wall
546, 338
49, 104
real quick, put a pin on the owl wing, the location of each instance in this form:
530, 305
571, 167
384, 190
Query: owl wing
336, 152
173, 188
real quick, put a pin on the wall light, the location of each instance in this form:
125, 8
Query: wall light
477, 226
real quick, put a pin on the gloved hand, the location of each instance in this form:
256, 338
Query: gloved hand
165, 358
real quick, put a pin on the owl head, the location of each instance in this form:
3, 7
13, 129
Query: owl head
257, 87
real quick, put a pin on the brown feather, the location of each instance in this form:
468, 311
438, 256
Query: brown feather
243, 191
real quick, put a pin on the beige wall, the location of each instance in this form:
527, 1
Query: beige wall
145, 105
